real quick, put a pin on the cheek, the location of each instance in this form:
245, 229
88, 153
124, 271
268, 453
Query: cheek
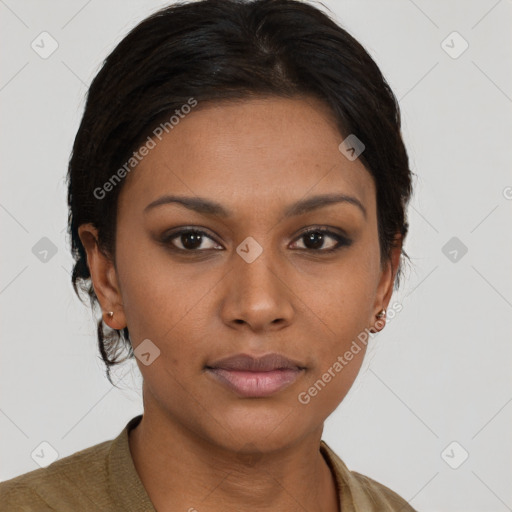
158, 294
339, 296
341, 309
339, 347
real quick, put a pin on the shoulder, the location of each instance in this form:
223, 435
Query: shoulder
382, 497
73, 480
360, 493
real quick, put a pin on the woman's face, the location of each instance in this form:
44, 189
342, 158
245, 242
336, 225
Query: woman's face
252, 282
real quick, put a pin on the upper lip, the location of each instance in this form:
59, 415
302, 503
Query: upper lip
264, 363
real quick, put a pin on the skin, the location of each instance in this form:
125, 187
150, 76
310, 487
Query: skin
199, 444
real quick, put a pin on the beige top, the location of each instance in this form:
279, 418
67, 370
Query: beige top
103, 478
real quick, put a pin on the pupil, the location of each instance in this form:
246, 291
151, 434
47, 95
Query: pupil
195, 239
316, 238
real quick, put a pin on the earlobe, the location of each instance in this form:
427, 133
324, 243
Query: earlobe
103, 278
380, 322
113, 323
386, 286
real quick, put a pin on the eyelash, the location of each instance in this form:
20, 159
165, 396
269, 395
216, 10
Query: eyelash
342, 241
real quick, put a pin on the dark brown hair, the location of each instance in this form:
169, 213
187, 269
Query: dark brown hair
212, 50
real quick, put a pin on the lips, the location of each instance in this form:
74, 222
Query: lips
254, 377
265, 363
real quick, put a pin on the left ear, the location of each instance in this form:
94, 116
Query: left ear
386, 285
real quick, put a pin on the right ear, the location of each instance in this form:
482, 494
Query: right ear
104, 277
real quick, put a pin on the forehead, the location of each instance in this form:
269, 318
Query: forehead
261, 151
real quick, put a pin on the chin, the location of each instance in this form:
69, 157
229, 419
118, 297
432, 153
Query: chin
266, 427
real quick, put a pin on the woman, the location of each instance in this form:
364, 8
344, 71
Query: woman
237, 192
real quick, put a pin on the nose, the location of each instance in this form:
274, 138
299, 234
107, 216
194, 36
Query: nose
257, 295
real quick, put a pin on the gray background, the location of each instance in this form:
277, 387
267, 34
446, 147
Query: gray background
438, 373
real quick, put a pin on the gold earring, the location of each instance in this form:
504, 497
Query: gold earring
110, 314
381, 313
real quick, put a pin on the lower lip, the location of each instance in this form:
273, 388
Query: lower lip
255, 384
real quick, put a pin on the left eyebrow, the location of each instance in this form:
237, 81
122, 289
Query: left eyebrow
208, 207
315, 202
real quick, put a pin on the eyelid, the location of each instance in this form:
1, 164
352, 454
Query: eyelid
170, 235
341, 238
323, 228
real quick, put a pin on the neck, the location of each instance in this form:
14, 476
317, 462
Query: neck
181, 471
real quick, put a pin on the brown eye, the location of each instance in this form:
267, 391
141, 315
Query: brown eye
323, 240
191, 240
